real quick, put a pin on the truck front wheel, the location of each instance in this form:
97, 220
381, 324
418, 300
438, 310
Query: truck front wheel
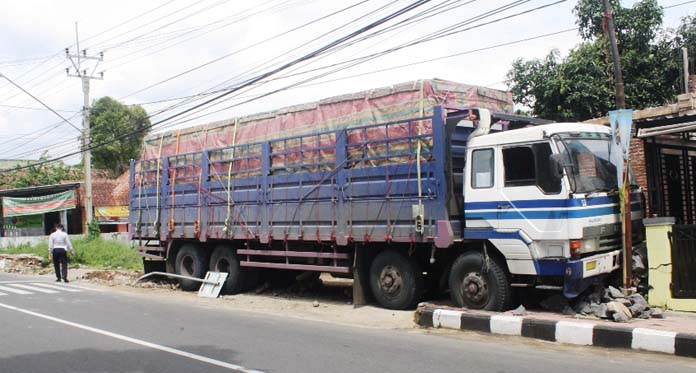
190, 261
396, 280
479, 285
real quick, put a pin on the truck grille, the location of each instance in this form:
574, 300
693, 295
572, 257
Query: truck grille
610, 242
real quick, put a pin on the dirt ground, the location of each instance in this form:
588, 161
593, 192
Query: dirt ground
327, 299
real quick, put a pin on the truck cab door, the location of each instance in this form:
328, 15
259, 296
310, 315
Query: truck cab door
481, 188
532, 192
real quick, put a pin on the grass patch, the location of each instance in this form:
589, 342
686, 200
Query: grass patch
95, 253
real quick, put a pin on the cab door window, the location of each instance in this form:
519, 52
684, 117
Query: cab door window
482, 167
530, 165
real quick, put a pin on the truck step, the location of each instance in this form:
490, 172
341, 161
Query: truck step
151, 248
300, 267
149, 256
294, 254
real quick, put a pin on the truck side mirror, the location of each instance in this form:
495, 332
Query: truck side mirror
557, 165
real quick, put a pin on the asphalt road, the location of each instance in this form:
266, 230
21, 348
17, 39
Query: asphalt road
101, 330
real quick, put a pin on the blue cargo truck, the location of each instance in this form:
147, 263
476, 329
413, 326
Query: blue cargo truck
476, 203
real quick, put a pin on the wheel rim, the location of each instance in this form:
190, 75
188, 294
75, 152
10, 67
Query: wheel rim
474, 289
188, 265
390, 281
222, 265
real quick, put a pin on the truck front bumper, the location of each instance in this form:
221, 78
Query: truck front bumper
581, 273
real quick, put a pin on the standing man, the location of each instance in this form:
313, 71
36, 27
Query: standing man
58, 246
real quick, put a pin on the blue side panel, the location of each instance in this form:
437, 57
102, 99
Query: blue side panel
354, 184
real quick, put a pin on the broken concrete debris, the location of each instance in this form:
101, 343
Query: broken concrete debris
520, 311
605, 303
615, 293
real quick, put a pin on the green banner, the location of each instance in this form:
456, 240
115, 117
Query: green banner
19, 206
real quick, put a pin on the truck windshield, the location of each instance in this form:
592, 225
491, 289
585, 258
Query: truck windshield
590, 160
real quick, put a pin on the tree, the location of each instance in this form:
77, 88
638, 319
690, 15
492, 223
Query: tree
580, 86
42, 174
110, 120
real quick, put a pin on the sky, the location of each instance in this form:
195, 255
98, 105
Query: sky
145, 43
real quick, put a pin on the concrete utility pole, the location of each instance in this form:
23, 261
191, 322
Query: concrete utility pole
82, 74
685, 54
618, 76
621, 104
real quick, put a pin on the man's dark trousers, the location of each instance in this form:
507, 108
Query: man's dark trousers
60, 262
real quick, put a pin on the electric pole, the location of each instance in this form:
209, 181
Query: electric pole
626, 190
685, 55
618, 76
76, 60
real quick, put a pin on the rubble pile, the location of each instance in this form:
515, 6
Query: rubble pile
111, 277
604, 303
21, 263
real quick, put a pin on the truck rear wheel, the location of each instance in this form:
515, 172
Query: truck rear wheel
475, 285
190, 261
224, 259
396, 280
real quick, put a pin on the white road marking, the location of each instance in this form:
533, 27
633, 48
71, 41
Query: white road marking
16, 281
1, 294
57, 287
33, 288
16, 291
82, 287
140, 342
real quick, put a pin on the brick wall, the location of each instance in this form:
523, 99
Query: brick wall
640, 173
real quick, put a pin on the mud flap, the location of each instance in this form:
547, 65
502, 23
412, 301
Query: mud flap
361, 278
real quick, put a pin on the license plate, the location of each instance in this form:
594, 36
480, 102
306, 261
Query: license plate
590, 265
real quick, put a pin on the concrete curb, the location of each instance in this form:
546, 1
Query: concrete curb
577, 333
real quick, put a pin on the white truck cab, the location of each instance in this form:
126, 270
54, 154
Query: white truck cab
546, 197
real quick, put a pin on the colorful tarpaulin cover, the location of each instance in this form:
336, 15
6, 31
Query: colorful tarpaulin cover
18, 206
380, 105
111, 214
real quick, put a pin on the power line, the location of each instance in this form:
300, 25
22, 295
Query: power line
236, 20
299, 85
128, 20
449, 30
680, 4
244, 49
39, 101
188, 6
36, 108
267, 62
312, 54
216, 4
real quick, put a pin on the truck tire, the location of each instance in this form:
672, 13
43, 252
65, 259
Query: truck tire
396, 280
190, 261
474, 287
224, 259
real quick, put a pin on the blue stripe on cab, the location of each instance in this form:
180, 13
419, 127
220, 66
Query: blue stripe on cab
541, 214
547, 203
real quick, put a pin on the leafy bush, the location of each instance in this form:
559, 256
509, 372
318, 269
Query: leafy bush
93, 231
93, 253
